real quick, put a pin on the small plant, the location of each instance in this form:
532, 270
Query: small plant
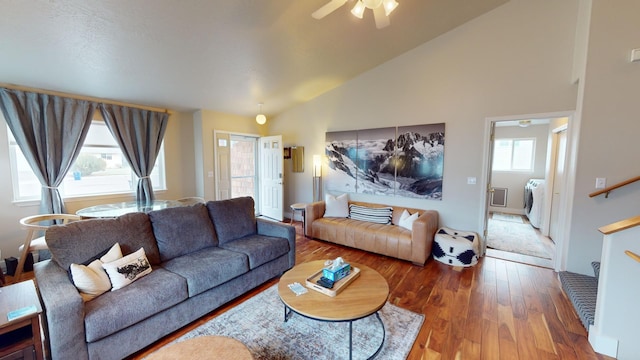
88, 164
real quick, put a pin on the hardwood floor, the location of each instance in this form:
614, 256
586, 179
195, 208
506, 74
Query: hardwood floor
497, 309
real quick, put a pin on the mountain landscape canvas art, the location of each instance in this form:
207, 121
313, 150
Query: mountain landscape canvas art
405, 161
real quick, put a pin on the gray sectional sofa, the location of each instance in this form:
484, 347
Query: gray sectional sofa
202, 257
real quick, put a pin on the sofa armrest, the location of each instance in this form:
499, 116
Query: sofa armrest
64, 312
423, 231
270, 228
312, 212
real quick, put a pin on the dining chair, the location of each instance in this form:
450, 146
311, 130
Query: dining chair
186, 201
34, 224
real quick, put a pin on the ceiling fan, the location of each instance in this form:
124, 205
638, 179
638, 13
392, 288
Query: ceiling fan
381, 10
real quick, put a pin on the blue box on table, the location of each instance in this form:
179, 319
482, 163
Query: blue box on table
337, 274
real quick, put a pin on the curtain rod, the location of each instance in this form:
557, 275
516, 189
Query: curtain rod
82, 97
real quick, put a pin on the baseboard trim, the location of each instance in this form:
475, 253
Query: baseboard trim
602, 344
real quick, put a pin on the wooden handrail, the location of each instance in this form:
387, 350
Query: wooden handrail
632, 255
607, 190
620, 225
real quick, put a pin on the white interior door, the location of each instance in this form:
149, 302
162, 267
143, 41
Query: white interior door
271, 172
489, 188
558, 182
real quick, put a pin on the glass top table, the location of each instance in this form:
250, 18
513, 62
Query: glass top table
121, 208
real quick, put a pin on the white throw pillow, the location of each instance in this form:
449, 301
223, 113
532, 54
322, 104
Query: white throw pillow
406, 219
91, 280
336, 206
128, 269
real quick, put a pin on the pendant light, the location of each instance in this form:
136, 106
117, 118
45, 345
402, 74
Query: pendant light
260, 118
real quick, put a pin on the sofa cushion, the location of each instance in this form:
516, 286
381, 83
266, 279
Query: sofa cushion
116, 310
259, 248
233, 218
207, 268
181, 230
78, 241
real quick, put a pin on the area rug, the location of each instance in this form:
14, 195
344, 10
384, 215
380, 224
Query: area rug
514, 237
259, 324
508, 217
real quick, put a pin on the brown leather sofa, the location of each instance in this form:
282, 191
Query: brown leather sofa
391, 240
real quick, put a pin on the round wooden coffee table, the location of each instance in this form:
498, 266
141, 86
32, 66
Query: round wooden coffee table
363, 297
204, 348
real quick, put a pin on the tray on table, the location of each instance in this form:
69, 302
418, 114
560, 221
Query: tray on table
338, 286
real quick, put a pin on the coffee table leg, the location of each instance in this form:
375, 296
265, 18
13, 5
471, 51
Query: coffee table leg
384, 334
350, 339
287, 313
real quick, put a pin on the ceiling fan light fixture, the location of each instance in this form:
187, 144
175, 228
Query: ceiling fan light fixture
260, 118
358, 9
389, 6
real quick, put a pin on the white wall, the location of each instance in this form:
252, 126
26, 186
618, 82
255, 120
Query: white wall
516, 59
609, 129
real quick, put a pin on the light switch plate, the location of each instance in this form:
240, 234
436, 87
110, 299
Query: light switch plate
601, 183
471, 180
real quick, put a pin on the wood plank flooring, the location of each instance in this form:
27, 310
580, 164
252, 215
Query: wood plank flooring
497, 309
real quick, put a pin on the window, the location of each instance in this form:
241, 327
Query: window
513, 154
99, 169
243, 166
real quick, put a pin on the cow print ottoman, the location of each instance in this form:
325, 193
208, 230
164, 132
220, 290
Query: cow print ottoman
456, 248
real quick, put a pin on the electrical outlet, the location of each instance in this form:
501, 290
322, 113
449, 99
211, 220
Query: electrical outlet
601, 183
471, 180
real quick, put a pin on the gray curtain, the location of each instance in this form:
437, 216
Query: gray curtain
50, 131
139, 134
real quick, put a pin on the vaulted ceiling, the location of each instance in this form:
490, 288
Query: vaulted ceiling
220, 55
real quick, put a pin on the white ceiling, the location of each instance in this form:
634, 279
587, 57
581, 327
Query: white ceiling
220, 55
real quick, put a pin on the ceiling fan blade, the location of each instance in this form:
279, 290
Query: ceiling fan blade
382, 20
327, 8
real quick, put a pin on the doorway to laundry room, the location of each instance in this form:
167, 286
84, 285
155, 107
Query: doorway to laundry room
525, 156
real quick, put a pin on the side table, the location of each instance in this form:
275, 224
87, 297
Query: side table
299, 207
20, 337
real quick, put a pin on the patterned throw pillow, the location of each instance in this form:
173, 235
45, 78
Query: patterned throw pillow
381, 215
128, 269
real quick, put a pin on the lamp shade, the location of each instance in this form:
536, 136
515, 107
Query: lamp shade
358, 10
261, 119
389, 6
317, 165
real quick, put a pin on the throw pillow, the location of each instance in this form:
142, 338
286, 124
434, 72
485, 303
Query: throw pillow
128, 269
336, 206
406, 220
378, 215
91, 280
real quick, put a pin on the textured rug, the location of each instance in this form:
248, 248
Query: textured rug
514, 237
508, 217
259, 324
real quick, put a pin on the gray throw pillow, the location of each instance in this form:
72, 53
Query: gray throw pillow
233, 219
182, 230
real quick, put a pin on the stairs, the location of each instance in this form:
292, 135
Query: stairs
582, 290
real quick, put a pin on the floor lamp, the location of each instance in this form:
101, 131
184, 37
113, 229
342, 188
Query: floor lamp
317, 178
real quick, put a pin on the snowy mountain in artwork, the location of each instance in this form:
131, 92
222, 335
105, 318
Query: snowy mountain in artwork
410, 165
